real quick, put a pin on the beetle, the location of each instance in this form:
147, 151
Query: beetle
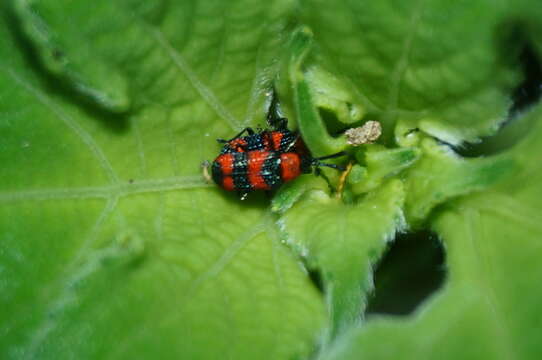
278, 138
265, 159
248, 171
281, 140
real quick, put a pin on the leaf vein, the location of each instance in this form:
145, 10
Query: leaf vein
108, 191
206, 93
402, 63
71, 123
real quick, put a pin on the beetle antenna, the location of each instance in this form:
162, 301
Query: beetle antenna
333, 166
317, 163
332, 156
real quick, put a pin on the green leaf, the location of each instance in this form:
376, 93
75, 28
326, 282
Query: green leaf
111, 243
435, 63
309, 120
381, 164
343, 242
491, 299
441, 175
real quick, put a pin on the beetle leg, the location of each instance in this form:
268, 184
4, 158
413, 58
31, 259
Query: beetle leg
248, 130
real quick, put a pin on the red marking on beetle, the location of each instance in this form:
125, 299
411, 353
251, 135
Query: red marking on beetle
226, 163
290, 166
266, 140
227, 183
276, 138
238, 144
256, 160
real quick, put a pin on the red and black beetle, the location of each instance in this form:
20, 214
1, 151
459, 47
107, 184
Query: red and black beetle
278, 138
245, 172
264, 160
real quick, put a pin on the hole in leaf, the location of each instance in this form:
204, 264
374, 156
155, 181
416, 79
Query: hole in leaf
524, 96
316, 278
530, 90
411, 270
333, 125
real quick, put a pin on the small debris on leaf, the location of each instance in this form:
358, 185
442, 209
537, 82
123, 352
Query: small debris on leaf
366, 134
205, 171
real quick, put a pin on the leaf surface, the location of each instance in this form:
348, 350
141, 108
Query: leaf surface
432, 62
490, 301
112, 245
343, 243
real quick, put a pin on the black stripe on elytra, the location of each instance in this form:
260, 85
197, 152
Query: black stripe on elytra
216, 173
271, 170
240, 172
288, 138
255, 142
